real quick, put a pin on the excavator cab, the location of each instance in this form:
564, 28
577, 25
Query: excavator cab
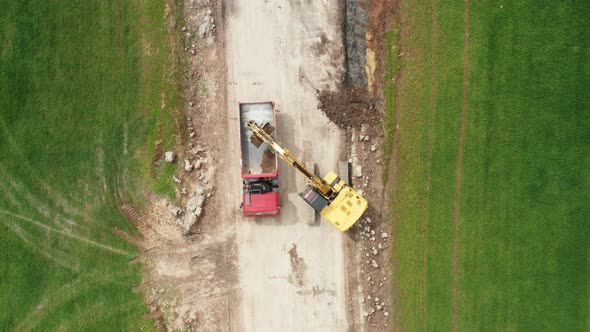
314, 198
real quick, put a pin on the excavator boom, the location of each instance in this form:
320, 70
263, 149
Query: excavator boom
261, 134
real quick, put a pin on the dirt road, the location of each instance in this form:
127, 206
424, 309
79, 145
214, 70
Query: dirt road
292, 276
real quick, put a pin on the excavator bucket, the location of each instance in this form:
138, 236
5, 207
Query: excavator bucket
268, 128
257, 141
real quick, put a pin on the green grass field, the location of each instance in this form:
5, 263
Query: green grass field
81, 87
524, 191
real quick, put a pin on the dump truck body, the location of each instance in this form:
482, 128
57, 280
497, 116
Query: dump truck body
259, 167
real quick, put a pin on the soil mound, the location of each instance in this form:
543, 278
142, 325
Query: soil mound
349, 107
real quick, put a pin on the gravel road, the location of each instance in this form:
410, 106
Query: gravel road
292, 275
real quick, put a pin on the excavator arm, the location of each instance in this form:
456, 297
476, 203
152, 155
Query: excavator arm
262, 134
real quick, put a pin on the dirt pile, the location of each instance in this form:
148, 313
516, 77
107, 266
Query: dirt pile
349, 107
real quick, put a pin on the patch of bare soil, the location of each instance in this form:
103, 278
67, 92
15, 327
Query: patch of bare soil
349, 107
297, 267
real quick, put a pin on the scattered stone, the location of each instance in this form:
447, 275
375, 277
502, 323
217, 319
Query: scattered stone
366, 138
375, 252
379, 246
372, 232
176, 211
175, 179
386, 313
191, 104
198, 164
369, 220
208, 195
183, 191
170, 156
183, 29
188, 166
358, 171
374, 264
384, 235
373, 148
200, 190
360, 191
192, 134
379, 307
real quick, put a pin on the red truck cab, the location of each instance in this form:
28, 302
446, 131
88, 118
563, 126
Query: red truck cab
259, 166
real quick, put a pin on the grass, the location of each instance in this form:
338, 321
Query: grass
523, 248
81, 88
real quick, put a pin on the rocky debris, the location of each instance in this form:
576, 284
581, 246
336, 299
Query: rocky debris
207, 25
192, 134
374, 264
176, 211
194, 209
170, 156
191, 104
373, 148
184, 191
365, 138
176, 180
188, 166
384, 235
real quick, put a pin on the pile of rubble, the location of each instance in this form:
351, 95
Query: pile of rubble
193, 181
372, 244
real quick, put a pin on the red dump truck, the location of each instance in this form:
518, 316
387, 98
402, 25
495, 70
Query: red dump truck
260, 172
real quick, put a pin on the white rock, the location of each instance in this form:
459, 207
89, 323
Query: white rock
375, 252
358, 171
170, 156
175, 179
366, 138
373, 148
384, 235
374, 264
192, 134
176, 211
188, 166
379, 307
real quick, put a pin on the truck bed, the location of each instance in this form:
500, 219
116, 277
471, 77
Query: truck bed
256, 160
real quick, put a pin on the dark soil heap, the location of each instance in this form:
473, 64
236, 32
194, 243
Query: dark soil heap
349, 107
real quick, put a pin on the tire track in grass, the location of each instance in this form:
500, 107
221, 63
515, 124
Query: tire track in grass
431, 114
460, 165
66, 234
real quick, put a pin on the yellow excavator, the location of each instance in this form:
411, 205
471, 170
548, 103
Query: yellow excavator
336, 201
